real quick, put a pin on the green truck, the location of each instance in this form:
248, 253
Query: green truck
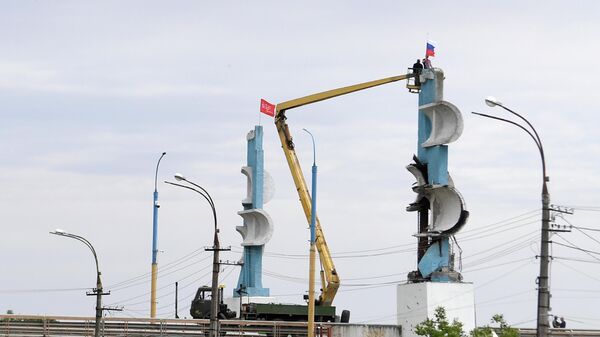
200, 309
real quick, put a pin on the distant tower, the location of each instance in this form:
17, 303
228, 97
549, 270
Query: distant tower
441, 213
258, 226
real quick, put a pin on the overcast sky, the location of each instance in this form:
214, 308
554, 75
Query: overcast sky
91, 93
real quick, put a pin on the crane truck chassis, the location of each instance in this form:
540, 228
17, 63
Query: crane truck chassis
200, 309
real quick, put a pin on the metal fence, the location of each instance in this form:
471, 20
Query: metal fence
561, 332
36, 326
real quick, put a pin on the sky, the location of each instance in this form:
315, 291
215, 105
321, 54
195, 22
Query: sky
91, 93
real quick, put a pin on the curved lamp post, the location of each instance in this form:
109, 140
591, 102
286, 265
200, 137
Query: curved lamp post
543, 307
312, 262
155, 207
98, 290
214, 323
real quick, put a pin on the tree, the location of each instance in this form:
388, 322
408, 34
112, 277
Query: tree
502, 330
439, 326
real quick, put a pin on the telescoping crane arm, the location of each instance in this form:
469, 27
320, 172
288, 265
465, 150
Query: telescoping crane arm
330, 280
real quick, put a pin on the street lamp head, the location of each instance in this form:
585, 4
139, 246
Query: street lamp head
492, 101
58, 231
179, 177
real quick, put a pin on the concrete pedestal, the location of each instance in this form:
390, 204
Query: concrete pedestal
418, 301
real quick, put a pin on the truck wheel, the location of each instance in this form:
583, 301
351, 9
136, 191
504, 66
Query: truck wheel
345, 318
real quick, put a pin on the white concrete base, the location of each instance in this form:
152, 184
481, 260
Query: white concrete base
365, 330
417, 301
233, 303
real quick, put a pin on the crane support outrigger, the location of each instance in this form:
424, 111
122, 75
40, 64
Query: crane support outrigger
330, 280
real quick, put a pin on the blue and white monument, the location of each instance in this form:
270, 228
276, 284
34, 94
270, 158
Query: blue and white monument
441, 213
257, 227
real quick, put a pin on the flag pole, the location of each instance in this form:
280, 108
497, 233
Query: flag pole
259, 117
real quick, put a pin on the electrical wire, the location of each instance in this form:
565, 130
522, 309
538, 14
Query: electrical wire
586, 234
577, 290
499, 227
394, 249
172, 303
498, 265
161, 275
526, 240
163, 287
586, 208
47, 290
577, 248
575, 260
579, 271
507, 221
580, 230
587, 229
164, 267
506, 274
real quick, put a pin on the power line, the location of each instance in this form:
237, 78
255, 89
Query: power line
168, 267
507, 221
163, 287
587, 228
161, 275
579, 271
498, 231
510, 272
578, 290
498, 265
163, 268
501, 224
581, 231
586, 208
577, 248
569, 242
575, 260
394, 249
48, 290
525, 241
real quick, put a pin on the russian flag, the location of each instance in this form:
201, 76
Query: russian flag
430, 51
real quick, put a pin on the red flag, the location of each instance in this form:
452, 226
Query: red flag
267, 108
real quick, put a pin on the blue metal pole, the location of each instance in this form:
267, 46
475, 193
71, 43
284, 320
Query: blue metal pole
154, 271
313, 213
313, 204
312, 258
155, 228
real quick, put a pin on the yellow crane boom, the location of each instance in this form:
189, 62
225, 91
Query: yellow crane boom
330, 280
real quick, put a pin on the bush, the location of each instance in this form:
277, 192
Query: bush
502, 330
439, 326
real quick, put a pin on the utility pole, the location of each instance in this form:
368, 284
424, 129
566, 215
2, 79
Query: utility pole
215, 298
543, 323
176, 299
543, 305
216, 248
98, 291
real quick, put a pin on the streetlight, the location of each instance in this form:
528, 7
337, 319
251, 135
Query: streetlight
98, 290
155, 207
313, 219
543, 278
214, 323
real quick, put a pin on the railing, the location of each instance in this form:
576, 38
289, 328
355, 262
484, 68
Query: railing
561, 332
35, 326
